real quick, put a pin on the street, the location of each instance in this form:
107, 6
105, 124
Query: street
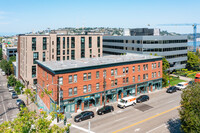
158, 115
8, 108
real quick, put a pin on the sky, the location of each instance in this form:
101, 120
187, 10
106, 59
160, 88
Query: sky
21, 16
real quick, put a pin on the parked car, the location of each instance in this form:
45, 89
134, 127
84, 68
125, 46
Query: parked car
8, 85
142, 98
84, 116
13, 92
21, 105
182, 85
3, 73
14, 95
18, 101
105, 110
126, 101
10, 89
172, 89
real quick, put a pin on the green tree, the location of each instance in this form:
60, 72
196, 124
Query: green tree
193, 61
165, 66
12, 59
30, 122
28, 93
190, 109
5, 67
1, 54
12, 80
17, 86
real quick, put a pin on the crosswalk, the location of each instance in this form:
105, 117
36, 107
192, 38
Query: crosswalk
2, 85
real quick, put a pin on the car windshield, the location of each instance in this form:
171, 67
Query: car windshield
122, 101
179, 85
18, 100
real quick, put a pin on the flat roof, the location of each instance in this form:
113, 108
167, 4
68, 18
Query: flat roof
107, 61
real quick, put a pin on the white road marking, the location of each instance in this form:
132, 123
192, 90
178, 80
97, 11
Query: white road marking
121, 119
120, 111
156, 128
4, 109
138, 129
83, 129
170, 101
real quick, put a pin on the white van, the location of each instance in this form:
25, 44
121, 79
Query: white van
182, 85
126, 101
3, 73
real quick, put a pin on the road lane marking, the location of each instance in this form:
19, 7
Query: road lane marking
147, 119
138, 129
4, 109
83, 129
156, 128
121, 119
171, 101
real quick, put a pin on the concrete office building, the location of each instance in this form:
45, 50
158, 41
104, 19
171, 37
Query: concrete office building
142, 32
173, 48
52, 47
82, 81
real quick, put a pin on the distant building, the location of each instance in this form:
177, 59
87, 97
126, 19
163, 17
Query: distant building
141, 32
173, 48
52, 47
8, 51
82, 81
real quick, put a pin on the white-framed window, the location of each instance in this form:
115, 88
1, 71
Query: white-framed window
116, 71
152, 65
97, 74
112, 72
147, 76
89, 76
159, 74
60, 80
126, 69
85, 89
115, 81
133, 79
97, 86
152, 75
158, 64
144, 67
89, 88
138, 77
70, 91
75, 91
75, 78
133, 69
70, 78
85, 76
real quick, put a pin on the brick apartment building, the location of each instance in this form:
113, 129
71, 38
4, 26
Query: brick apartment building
52, 47
82, 81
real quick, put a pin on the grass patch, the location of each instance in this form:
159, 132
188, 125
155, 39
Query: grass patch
174, 81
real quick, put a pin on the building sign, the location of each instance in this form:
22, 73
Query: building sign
120, 76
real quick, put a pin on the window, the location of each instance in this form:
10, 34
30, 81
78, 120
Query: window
82, 47
75, 90
67, 42
126, 79
98, 42
72, 42
90, 42
146, 66
67, 51
133, 69
155, 75
33, 43
89, 76
143, 67
70, 78
112, 83
33, 71
75, 78
73, 55
99, 50
63, 42
89, 88
138, 77
138, 68
58, 58
152, 65
144, 76
70, 91
159, 74
35, 57
63, 57
34, 81
104, 73
60, 80
85, 89
115, 81
85, 76
43, 56
133, 79
152, 75
112, 72
158, 64
44, 43
63, 52
97, 74
116, 71
97, 86
126, 69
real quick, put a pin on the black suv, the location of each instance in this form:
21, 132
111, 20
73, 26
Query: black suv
84, 116
105, 110
142, 98
172, 89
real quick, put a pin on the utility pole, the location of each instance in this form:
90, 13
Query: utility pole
104, 87
58, 98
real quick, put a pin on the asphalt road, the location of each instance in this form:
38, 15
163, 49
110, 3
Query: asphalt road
8, 108
158, 115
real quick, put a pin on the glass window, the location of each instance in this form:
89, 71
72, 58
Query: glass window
104, 73
72, 42
98, 42
143, 67
85, 89
97, 86
89, 76
152, 75
73, 55
112, 83
63, 57
124, 80
152, 65
82, 47
63, 42
97, 74
158, 64
89, 88
138, 68
159, 74
155, 74
90, 42
43, 56
146, 66
126, 69
34, 81
67, 42
70, 78
63, 52
115, 81
33, 43
58, 58
133, 79
33, 71
144, 76
138, 77
116, 71
112, 72
60, 80
35, 57
44, 43
85, 76
70, 91
75, 90
133, 69
75, 78
127, 80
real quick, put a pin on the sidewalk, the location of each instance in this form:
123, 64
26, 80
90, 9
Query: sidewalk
181, 77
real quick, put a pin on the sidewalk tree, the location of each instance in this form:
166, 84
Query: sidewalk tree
190, 109
31, 122
12, 80
165, 66
17, 86
1, 54
28, 93
193, 61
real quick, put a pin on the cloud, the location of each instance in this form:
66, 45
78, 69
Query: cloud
4, 23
